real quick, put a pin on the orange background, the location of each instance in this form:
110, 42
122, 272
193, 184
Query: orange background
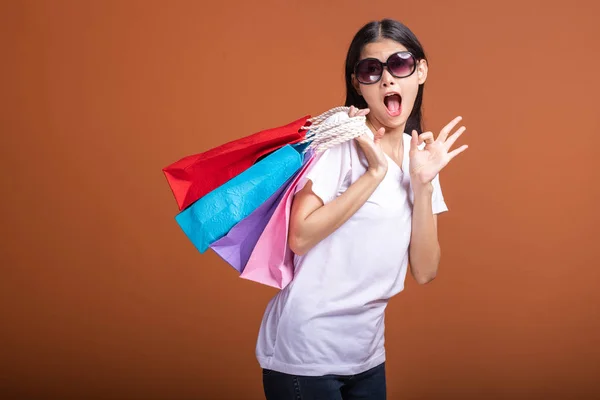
101, 294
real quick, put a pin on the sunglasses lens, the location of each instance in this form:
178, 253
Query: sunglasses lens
401, 64
368, 71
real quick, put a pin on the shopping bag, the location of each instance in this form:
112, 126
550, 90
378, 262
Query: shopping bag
265, 190
271, 261
212, 216
194, 176
237, 245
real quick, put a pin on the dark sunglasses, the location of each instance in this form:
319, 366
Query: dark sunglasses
370, 70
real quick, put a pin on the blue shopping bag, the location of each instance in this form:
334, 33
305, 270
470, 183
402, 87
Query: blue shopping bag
212, 216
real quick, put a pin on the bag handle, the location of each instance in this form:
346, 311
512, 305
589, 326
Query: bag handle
324, 135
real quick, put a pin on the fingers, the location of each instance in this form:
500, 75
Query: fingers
378, 135
355, 112
364, 138
454, 137
456, 152
448, 128
426, 137
352, 112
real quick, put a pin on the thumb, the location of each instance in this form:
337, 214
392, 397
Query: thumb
378, 135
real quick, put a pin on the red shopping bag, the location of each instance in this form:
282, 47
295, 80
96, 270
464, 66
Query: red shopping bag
193, 176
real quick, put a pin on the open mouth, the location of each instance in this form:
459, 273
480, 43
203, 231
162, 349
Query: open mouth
393, 102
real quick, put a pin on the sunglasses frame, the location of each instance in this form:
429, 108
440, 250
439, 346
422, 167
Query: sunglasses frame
384, 65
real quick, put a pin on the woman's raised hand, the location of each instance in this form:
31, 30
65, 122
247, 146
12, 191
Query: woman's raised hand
426, 163
371, 147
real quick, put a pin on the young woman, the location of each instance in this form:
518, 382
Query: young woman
368, 207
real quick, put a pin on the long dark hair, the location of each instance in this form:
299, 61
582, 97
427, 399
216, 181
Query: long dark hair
371, 32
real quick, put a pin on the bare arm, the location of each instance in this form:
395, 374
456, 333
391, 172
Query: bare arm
424, 252
311, 221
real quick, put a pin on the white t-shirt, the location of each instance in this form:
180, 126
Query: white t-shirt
330, 318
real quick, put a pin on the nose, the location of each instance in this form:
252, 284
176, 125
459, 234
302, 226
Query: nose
386, 78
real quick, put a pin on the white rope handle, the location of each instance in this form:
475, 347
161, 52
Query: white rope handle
324, 135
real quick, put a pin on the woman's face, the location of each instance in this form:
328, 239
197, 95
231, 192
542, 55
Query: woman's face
389, 110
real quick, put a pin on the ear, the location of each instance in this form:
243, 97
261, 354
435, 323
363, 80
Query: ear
356, 84
422, 70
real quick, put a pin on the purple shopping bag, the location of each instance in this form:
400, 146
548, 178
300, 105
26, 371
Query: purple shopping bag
237, 245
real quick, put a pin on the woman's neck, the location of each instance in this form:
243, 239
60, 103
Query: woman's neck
392, 138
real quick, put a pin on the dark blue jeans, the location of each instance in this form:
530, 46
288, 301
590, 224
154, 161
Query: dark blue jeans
368, 385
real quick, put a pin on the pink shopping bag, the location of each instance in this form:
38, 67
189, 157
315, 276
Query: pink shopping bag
272, 262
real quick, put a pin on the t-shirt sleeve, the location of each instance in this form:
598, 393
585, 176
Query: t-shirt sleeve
331, 171
437, 199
